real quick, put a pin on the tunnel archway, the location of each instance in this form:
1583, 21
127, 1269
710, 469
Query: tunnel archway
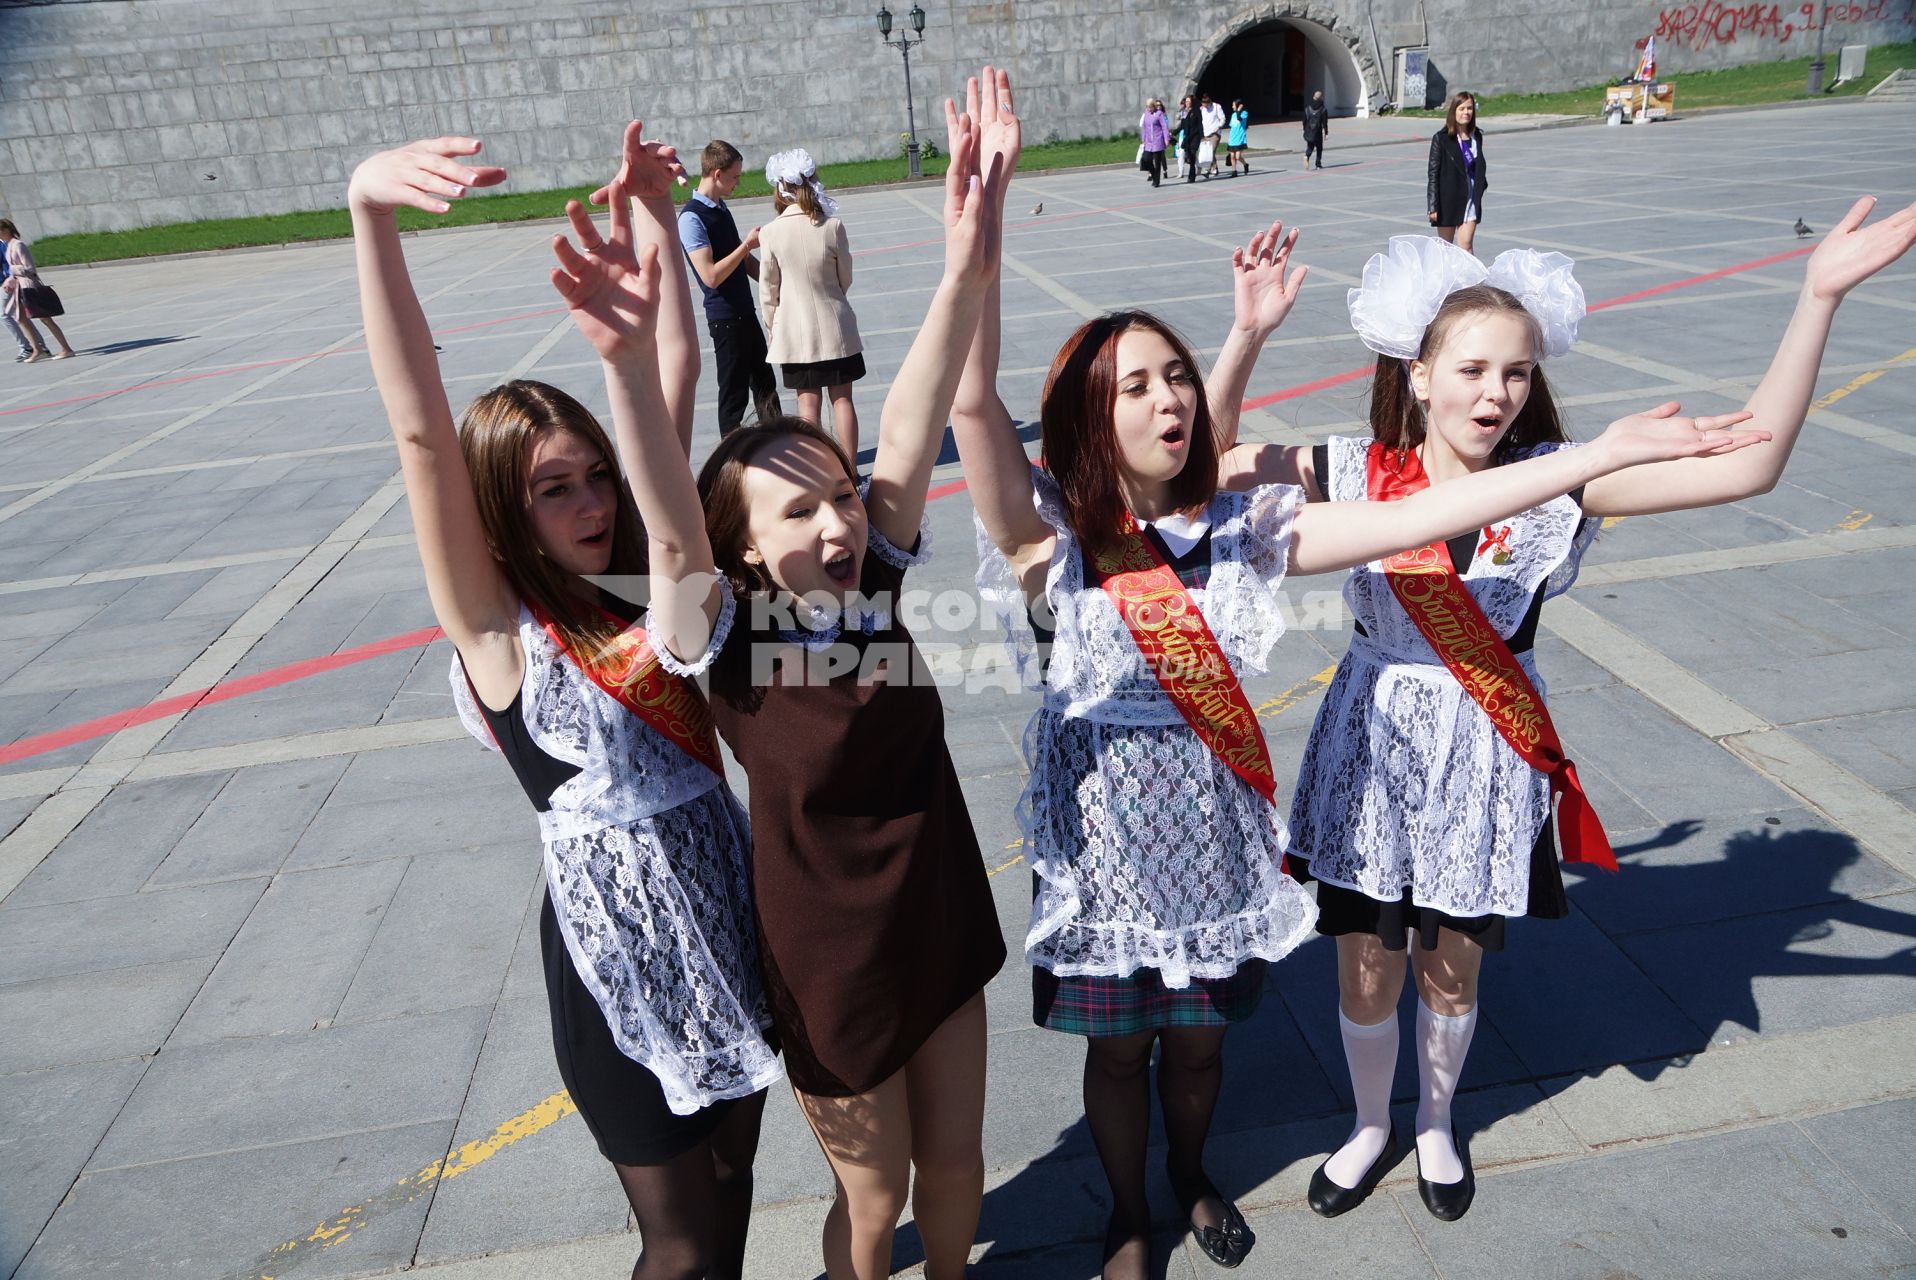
1275, 63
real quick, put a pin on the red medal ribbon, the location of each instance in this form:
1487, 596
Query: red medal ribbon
1448, 616
630, 674
1495, 538
1185, 656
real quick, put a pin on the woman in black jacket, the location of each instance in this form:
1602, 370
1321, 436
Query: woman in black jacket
1191, 123
1457, 175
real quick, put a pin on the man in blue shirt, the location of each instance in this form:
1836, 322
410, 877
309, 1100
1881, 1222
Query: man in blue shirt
721, 261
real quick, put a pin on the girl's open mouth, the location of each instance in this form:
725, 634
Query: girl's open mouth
841, 568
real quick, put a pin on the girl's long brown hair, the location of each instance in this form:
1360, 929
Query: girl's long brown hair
1397, 419
496, 436
1080, 437
1458, 99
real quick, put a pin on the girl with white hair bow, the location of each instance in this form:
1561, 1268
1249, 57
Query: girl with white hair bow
805, 267
1423, 804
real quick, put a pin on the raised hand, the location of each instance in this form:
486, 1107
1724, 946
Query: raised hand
1262, 294
970, 203
647, 170
1851, 253
425, 174
1659, 435
1000, 134
611, 290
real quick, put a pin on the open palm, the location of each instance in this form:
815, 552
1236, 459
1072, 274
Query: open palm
1000, 134
1851, 253
611, 290
1262, 294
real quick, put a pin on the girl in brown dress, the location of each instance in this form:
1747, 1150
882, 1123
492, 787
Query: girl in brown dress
877, 930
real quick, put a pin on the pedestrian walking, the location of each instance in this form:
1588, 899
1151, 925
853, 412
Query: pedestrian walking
723, 262
1238, 138
1317, 126
1457, 174
1211, 115
1190, 136
1154, 135
29, 298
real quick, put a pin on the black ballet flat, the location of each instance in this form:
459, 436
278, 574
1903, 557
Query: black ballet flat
1449, 1201
1328, 1199
1227, 1245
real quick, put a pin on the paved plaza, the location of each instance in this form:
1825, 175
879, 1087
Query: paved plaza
270, 1000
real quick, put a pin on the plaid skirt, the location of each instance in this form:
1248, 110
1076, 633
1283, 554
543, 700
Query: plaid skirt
1100, 1006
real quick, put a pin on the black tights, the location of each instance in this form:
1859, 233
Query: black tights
1117, 1105
694, 1209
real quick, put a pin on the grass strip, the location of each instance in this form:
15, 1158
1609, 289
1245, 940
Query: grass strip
521, 206
1762, 82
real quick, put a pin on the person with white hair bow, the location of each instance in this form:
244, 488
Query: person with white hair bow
1423, 804
805, 267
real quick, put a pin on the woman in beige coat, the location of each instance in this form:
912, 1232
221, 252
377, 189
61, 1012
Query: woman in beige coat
21, 276
805, 266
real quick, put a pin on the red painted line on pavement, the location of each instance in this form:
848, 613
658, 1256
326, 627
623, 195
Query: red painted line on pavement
45, 742
1654, 290
42, 743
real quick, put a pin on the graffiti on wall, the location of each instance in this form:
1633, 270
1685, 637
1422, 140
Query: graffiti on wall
1712, 22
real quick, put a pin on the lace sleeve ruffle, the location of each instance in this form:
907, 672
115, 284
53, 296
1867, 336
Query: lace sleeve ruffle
468, 709
1251, 550
1001, 592
721, 629
887, 550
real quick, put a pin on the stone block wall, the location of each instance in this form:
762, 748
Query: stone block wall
116, 114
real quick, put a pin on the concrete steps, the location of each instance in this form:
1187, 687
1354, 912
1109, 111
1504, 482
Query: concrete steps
1898, 86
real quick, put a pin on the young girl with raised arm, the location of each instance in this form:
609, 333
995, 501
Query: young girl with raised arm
1423, 805
659, 1019
1148, 816
876, 925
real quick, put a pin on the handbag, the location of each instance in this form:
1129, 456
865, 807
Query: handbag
1207, 152
42, 301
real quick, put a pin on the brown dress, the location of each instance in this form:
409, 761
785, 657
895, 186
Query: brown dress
875, 919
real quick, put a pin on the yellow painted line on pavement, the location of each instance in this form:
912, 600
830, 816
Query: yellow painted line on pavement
1855, 520
464, 1159
1862, 380
1611, 522
1296, 693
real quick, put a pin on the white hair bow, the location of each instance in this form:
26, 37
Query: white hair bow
1405, 286
787, 171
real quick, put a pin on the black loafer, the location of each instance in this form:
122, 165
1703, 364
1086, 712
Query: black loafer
1327, 1199
1449, 1201
1227, 1244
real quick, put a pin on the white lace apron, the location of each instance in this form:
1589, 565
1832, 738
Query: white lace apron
1405, 783
1150, 852
646, 859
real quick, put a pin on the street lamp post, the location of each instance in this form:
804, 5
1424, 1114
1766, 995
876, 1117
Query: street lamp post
904, 42
1816, 63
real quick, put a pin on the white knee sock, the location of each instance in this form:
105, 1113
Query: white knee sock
1442, 1044
1371, 1055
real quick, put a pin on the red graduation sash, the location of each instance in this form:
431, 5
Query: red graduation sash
1185, 657
629, 673
1448, 616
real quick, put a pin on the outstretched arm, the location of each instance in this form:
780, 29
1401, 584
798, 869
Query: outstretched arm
470, 595
911, 427
996, 468
647, 171
1338, 535
1262, 296
1849, 255
612, 287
